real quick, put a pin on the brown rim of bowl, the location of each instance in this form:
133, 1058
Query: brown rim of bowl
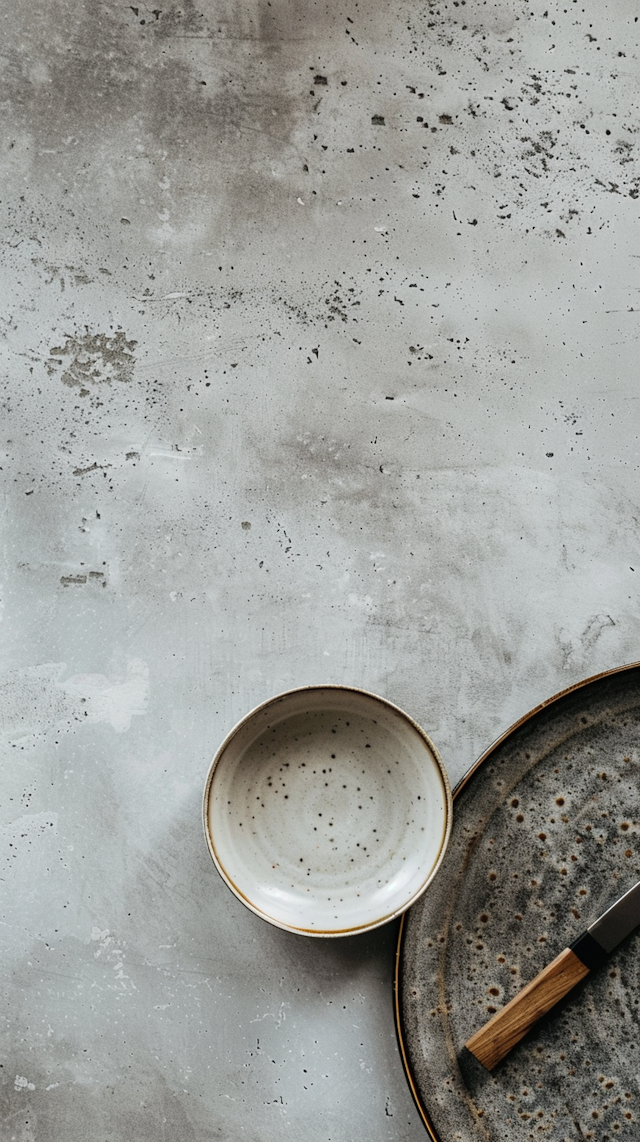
327, 933
397, 990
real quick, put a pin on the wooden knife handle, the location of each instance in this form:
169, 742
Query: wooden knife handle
507, 1027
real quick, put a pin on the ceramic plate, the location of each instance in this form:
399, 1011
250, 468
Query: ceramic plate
327, 810
545, 837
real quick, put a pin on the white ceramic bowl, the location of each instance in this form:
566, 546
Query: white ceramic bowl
327, 810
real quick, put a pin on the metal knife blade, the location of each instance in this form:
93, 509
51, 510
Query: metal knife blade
618, 921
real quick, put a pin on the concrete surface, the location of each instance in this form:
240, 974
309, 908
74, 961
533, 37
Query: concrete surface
318, 343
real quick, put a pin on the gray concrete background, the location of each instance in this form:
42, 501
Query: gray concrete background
318, 351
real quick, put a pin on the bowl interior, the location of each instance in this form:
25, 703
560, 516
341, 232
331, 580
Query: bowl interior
327, 810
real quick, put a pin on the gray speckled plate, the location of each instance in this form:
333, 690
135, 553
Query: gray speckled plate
545, 836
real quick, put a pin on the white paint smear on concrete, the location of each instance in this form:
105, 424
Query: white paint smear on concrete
34, 699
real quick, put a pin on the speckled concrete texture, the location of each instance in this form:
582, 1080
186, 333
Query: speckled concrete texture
544, 841
318, 353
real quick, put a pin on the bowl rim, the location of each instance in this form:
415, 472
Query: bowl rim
330, 932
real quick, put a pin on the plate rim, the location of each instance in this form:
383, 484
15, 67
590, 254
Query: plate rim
457, 789
448, 798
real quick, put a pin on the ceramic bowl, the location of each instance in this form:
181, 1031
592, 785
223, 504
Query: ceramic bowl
327, 810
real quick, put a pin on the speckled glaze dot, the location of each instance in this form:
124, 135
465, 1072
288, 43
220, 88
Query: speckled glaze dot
513, 893
327, 810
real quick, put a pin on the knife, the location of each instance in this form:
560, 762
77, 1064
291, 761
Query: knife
592, 949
